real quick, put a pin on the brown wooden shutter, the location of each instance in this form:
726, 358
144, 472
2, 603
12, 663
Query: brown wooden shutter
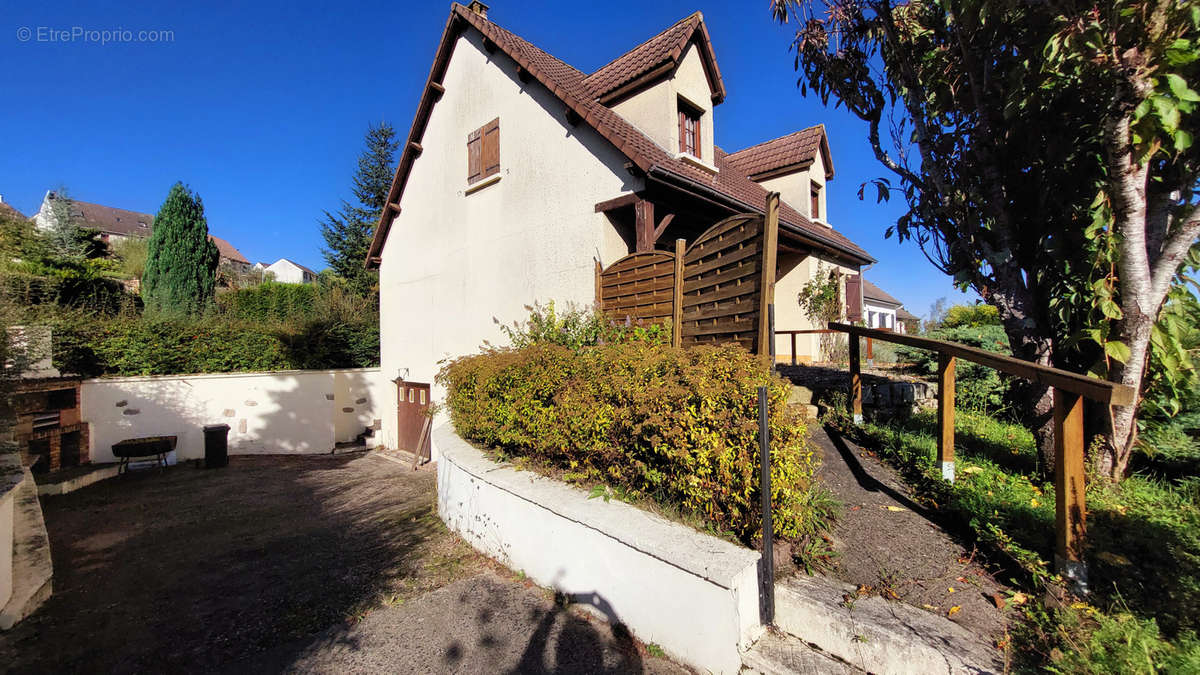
491, 148
696, 136
815, 210
474, 165
854, 298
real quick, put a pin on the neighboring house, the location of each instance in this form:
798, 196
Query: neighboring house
289, 272
521, 172
115, 225
881, 310
8, 209
908, 322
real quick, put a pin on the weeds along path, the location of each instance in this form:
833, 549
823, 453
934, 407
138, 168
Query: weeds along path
890, 545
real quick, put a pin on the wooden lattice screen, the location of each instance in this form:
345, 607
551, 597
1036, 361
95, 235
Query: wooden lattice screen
638, 287
711, 292
722, 273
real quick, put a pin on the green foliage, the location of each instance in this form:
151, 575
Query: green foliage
269, 301
576, 328
181, 261
677, 426
971, 316
348, 233
821, 301
1143, 558
131, 255
977, 387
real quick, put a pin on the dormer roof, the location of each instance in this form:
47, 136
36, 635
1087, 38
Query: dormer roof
655, 57
783, 155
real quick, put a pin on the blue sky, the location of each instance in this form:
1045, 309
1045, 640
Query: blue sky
261, 108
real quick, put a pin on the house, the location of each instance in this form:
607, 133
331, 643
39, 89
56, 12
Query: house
116, 225
881, 310
288, 272
9, 210
520, 173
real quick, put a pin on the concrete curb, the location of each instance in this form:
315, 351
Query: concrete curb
32, 569
889, 638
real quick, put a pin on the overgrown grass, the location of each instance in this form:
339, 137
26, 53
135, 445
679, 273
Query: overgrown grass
1144, 537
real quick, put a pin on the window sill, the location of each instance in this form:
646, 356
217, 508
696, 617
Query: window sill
696, 161
476, 187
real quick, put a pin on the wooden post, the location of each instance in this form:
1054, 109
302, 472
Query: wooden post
643, 212
945, 438
766, 287
599, 297
677, 306
793, 349
855, 382
768, 527
1070, 504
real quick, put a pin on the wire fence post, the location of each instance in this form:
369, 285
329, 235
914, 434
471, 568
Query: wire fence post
768, 531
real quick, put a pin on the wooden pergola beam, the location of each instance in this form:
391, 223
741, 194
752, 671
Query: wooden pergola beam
643, 212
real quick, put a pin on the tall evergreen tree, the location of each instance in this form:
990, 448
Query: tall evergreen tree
181, 263
348, 232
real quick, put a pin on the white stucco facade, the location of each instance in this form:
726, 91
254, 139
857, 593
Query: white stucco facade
288, 272
459, 258
655, 109
796, 189
795, 270
878, 315
299, 411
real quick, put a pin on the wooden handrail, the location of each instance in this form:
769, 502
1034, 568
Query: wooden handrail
1088, 387
1069, 391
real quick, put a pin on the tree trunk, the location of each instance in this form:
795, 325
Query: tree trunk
1029, 341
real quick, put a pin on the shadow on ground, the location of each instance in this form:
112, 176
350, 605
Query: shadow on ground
189, 569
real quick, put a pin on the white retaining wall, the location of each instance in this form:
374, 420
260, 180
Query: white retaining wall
11, 476
694, 595
297, 411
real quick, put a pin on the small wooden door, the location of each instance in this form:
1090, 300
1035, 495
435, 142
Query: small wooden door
410, 411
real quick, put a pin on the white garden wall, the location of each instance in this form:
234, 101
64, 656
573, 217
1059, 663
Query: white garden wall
298, 411
694, 595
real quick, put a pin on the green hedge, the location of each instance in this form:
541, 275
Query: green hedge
678, 426
269, 301
145, 346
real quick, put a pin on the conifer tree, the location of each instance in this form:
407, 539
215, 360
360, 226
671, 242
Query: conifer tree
181, 261
348, 232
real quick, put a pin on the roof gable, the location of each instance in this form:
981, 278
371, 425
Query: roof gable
227, 250
786, 154
654, 58
730, 186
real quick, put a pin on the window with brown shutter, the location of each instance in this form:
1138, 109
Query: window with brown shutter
483, 152
815, 207
689, 129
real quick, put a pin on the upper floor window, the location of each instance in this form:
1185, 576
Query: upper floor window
689, 128
483, 152
815, 206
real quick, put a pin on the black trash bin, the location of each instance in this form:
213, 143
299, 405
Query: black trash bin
216, 446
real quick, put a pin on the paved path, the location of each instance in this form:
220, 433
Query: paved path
483, 624
895, 546
286, 563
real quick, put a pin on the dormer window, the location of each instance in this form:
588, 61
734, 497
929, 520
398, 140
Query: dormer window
689, 129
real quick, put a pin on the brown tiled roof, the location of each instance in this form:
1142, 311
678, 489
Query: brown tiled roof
872, 292
227, 250
111, 220
797, 149
9, 209
905, 315
661, 51
730, 185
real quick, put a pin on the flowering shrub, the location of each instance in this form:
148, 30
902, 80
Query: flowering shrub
679, 426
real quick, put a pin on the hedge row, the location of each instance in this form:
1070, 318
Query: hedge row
678, 426
146, 346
